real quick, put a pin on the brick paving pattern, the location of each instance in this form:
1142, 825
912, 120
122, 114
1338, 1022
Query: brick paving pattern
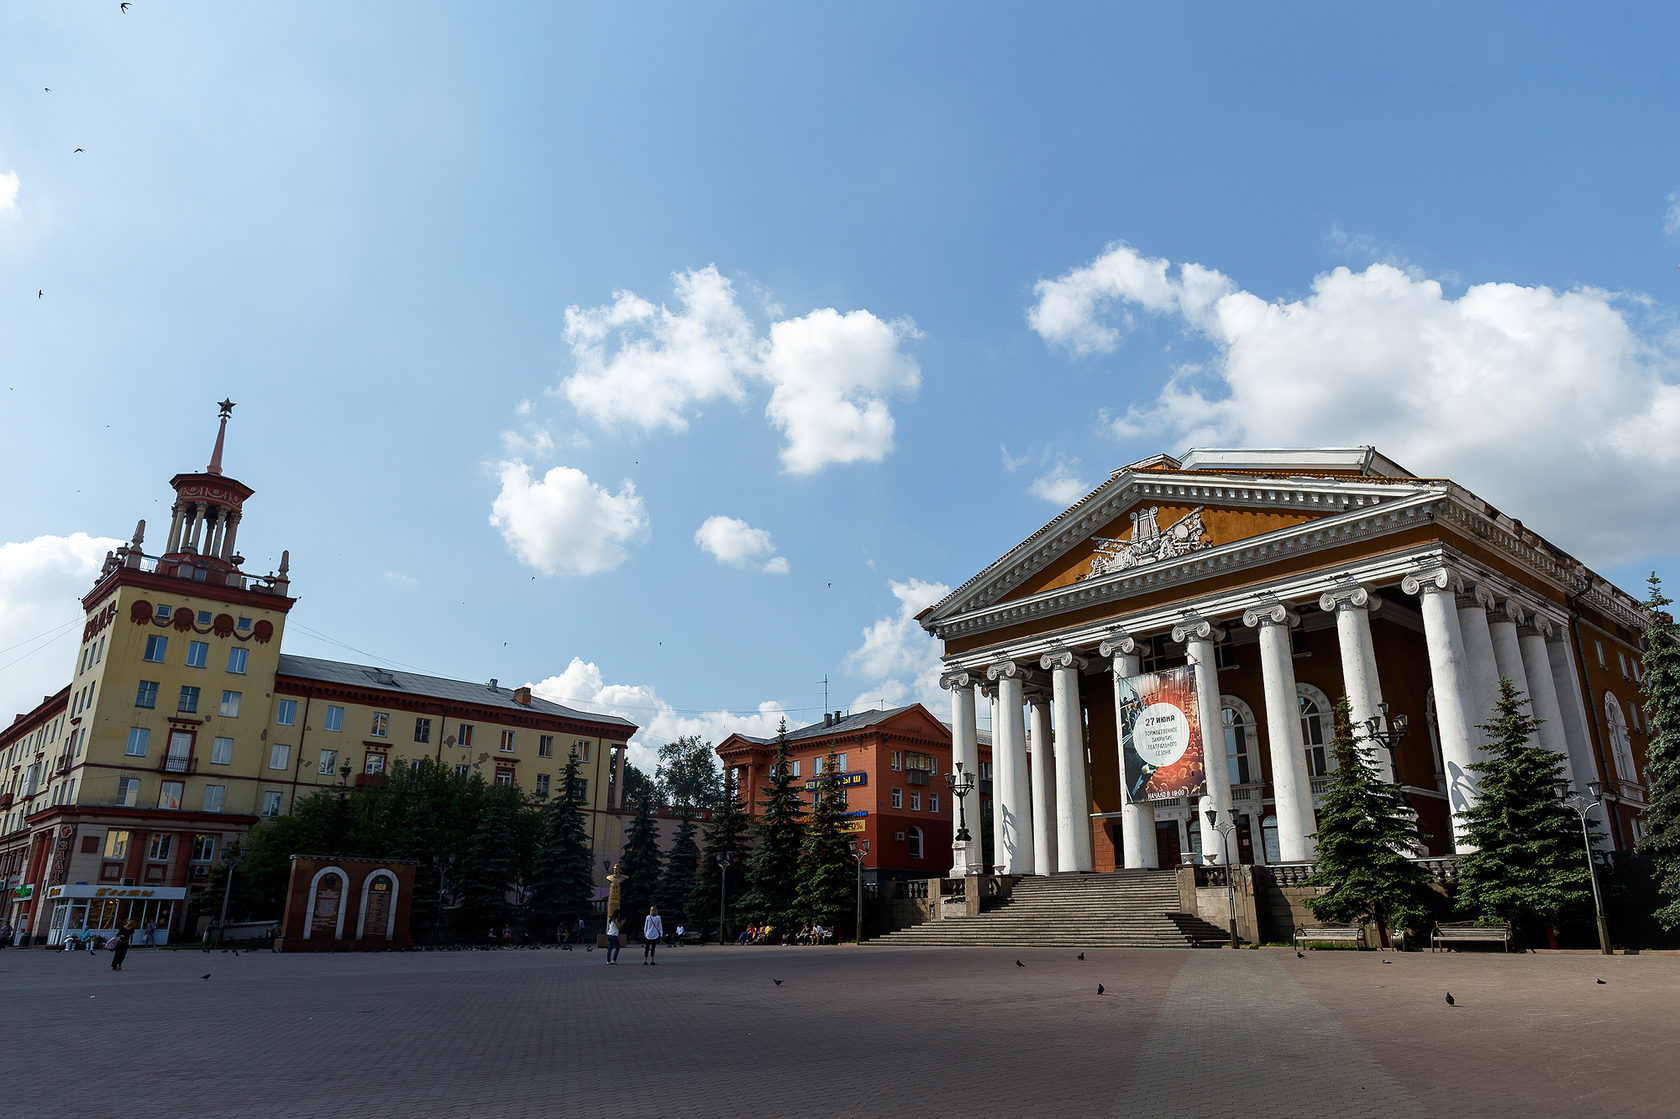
851, 1032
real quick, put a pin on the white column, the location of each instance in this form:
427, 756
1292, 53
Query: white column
178, 517
1543, 697
1437, 589
1560, 654
1043, 784
1503, 621
228, 549
1291, 784
1012, 835
965, 753
1199, 637
1354, 606
1073, 807
1137, 819
1478, 654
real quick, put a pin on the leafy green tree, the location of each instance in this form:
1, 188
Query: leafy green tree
777, 830
563, 876
826, 870
490, 871
725, 835
681, 863
1528, 867
1366, 838
688, 772
640, 865
639, 788
1661, 843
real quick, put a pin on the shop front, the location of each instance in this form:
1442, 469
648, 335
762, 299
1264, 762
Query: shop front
105, 909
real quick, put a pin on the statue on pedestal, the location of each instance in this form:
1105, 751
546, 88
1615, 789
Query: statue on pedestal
615, 883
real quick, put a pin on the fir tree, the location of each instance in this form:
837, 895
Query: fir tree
1661, 843
725, 835
681, 862
564, 874
774, 868
1366, 838
826, 869
490, 868
1528, 867
640, 865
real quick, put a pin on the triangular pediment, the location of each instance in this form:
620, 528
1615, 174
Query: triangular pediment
1152, 515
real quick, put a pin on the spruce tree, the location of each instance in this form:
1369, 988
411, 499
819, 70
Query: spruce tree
827, 882
490, 869
1366, 838
640, 865
1529, 867
774, 868
564, 875
725, 835
681, 863
1661, 843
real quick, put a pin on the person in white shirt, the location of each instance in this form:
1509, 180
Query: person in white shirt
614, 924
652, 929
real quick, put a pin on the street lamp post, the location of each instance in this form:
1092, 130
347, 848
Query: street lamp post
1225, 831
723, 892
961, 785
1583, 805
231, 854
860, 848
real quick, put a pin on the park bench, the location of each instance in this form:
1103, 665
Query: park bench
1470, 932
1330, 934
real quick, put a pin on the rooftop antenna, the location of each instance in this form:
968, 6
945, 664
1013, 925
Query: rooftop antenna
825, 692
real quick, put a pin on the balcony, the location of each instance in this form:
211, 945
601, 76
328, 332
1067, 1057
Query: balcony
917, 776
6, 800
367, 780
174, 763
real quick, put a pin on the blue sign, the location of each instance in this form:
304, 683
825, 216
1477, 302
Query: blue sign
844, 780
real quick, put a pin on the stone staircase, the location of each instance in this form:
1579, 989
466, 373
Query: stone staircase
1122, 909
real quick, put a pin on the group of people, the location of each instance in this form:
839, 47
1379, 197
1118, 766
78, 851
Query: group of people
653, 929
769, 934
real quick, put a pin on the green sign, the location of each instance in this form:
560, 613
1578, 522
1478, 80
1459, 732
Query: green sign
24, 892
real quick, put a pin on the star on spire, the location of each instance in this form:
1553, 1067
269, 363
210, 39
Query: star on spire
227, 407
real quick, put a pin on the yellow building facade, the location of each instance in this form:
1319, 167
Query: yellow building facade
184, 725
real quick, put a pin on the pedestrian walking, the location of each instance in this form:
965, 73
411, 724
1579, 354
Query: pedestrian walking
151, 934
652, 929
119, 949
614, 924
6, 935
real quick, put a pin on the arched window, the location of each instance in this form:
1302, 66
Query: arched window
1237, 720
1315, 729
915, 836
1620, 747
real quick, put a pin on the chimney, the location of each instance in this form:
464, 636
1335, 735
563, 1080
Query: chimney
828, 718
492, 683
522, 696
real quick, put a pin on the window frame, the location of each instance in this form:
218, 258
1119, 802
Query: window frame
221, 750
238, 658
198, 654
158, 642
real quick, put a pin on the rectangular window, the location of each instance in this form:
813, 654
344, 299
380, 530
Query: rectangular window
285, 713
1622, 657
816, 766
189, 700
461, 770
329, 763
137, 739
203, 848
374, 763
840, 763
147, 695
242, 624
230, 704
204, 617
918, 761
156, 647
98, 656
236, 660
545, 746
279, 756
584, 748
422, 730
128, 791
116, 844
504, 777
271, 803
464, 739
897, 760
915, 800
381, 725
507, 742
795, 767
580, 790
198, 654
221, 751
162, 613
335, 718
1599, 646
158, 849
542, 784
169, 795
213, 795
898, 798
933, 802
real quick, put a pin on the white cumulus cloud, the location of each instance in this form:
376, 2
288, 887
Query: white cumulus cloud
1561, 407
582, 685
898, 661
8, 190
735, 542
830, 374
41, 585
1061, 485
1671, 220
564, 523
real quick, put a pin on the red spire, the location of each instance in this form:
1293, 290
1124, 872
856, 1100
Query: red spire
215, 466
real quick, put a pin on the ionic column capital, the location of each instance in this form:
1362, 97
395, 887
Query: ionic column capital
960, 678
1351, 596
1270, 614
1199, 629
1537, 625
1119, 642
1475, 595
1062, 658
1433, 579
1012, 670
1508, 610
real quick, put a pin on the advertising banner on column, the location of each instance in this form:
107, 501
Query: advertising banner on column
1161, 735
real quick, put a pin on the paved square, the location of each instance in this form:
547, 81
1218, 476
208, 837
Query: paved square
850, 1032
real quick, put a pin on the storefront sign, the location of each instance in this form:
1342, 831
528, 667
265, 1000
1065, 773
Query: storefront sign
1161, 736
844, 780
114, 893
24, 892
852, 827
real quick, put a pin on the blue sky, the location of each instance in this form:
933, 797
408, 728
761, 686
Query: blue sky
672, 358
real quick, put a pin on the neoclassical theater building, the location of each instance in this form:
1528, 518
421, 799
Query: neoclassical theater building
1286, 578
